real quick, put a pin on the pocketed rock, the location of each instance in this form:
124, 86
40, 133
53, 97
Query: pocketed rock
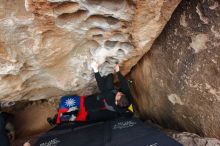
46, 46
190, 139
177, 83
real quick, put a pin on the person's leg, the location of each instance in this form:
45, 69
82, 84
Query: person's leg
101, 115
4, 140
93, 102
52, 121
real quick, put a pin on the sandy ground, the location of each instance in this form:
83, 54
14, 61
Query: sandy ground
30, 119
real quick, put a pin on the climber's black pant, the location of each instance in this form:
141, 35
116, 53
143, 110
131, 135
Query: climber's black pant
4, 141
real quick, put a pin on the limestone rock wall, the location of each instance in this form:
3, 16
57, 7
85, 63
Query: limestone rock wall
191, 139
46, 46
177, 83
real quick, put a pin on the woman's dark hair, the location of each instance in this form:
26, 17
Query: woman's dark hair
123, 102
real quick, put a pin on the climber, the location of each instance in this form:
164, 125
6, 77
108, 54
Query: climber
108, 104
7, 131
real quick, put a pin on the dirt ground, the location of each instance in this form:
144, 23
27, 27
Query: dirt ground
30, 119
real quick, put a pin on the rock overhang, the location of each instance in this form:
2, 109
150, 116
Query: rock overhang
47, 45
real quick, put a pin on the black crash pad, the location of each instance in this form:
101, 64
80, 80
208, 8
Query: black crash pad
118, 132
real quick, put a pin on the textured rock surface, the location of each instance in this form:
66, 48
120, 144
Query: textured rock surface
177, 83
33, 118
30, 117
46, 46
190, 139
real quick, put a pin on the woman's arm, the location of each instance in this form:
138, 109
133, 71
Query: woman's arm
100, 81
123, 84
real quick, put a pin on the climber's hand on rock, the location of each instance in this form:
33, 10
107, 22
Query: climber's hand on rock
117, 69
94, 66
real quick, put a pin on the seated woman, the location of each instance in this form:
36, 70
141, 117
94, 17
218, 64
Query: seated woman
108, 104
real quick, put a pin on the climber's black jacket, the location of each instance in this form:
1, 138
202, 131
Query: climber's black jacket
102, 106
